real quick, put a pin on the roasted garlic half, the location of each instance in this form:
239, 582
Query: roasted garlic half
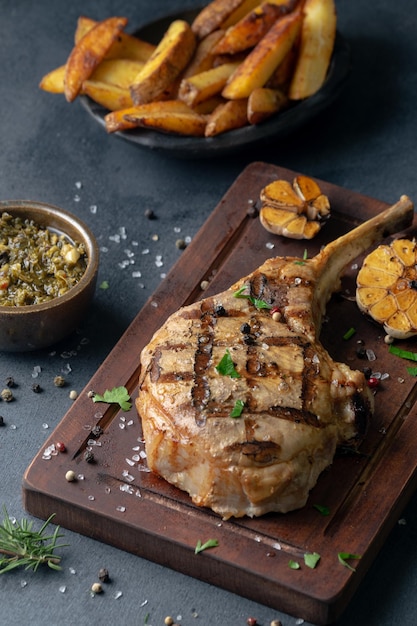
386, 287
296, 210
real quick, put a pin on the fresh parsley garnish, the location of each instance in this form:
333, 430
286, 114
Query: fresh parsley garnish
237, 409
345, 556
321, 508
200, 547
226, 367
305, 257
293, 564
311, 559
117, 395
405, 354
349, 333
257, 302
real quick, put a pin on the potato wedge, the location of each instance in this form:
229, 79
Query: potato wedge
89, 52
203, 55
281, 77
53, 82
169, 59
260, 64
116, 120
120, 72
218, 12
111, 97
248, 31
178, 122
203, 86
227, 116
125, 47
263, 103
318, 34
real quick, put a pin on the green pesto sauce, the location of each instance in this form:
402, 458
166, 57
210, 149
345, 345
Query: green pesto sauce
36, 264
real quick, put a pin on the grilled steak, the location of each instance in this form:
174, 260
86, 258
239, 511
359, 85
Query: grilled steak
253, 352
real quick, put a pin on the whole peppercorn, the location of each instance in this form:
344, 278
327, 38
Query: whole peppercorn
373, 382
70, 476
88, 456
1, 420
180, 244
276, 622
103, 575
7, 395
59, 381
251, 621
96, 588
168, 621
149, 214
60, 446
10, 382
36, 388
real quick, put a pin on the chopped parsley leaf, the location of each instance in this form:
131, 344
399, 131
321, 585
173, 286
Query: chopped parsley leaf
226, 367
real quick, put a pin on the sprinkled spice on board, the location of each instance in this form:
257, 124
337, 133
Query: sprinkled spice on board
36, 264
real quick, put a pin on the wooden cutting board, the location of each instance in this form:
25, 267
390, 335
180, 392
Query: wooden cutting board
116, 500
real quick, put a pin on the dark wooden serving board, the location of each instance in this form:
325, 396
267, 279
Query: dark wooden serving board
117, 501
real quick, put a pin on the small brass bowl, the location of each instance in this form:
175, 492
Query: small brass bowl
37, 326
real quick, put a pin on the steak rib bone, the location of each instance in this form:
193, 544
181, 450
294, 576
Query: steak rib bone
253, 437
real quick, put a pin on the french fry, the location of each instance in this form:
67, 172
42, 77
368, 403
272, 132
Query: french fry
89, 52
227, 116
116, 120
281, 77
53, 82
169, 59
178, 122
263, 103
318, 34
203, 86
120, 72
111, 97
260, 64
219, 12
248, 31
125, 47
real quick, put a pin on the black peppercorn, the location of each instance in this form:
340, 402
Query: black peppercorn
219, 310
1, 420
10, 382
36, 388
149, 214
88, 456
103, 575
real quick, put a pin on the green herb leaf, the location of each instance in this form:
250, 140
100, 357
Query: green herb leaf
257, 302
226, 367
324, 510
412, 371
404, 354
22, 546
349, 334
117, 395
200, 547
237, 409
311, 559
305, 257
344, 556
293, 564
104, 285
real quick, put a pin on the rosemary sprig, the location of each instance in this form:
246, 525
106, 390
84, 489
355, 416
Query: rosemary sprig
22, 546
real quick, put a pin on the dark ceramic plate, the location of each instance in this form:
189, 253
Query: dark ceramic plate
236, 140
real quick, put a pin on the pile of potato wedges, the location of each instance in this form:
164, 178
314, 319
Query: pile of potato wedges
237, 64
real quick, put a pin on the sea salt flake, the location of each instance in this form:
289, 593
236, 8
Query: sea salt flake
370, 355
78, 184
91, 498
142, 454
121, 509
270, 245
23, 583
137, 274
77, 197
118, 595
135, 457
72, 570
130, 462
13, 427
145, 251
36, 371
93, 209
62, 588
122, 426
